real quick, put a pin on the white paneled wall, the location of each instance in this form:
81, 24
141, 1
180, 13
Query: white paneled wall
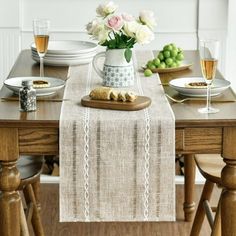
213, 24
9, 35
70, 24
9, 49
179, 21
231, 44
74, 14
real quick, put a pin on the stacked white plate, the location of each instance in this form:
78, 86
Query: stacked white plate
66, 53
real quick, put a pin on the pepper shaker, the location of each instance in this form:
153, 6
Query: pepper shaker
27, 96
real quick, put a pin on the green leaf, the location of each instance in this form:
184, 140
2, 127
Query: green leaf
125, 38
122, 45
128, 54
117, 38
105, 44
112, 44
131, 43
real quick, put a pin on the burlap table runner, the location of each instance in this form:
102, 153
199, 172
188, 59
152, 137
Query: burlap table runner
116, 165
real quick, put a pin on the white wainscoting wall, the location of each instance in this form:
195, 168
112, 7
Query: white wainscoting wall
179, 21
231, 44
9, 49
71, 24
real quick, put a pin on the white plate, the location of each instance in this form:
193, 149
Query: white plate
69, 47
14, 84
66, 56
64, 62
218, 86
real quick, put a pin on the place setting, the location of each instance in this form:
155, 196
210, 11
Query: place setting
185, 89
40, 85
171, 59
59, 53
205, 88
44, 87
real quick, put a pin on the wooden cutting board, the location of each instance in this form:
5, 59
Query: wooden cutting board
140, 103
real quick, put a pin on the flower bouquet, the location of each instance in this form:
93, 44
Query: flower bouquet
121, 31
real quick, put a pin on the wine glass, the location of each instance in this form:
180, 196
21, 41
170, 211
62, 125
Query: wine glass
41, 38
209, 53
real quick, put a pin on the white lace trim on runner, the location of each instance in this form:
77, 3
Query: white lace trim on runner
86, 149
147, 154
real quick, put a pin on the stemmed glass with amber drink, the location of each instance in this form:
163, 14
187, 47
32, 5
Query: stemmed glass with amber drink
209, 54
41, 38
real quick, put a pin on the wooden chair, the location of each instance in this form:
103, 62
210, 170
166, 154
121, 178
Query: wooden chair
30, 169
210, 166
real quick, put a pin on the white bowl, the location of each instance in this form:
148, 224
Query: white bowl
218, 86
14, 84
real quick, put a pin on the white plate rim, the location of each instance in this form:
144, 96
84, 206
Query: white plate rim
65, 62
92, 47
39, 91
198, 92
66, 56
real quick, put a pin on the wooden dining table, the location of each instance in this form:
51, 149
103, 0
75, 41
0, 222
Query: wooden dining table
37, 133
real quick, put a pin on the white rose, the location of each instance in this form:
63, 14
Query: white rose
147, 18
106, 9
91, 26
144, 35
130, 28
97, 29
103, 35
100, 10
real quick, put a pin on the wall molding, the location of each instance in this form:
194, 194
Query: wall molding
11, 27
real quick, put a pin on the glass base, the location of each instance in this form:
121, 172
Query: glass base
208, 110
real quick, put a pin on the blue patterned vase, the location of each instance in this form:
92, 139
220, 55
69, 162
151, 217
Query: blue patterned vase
117, 72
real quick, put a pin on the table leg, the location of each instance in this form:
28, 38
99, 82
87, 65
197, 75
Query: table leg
228, 176
189, 182
9, 182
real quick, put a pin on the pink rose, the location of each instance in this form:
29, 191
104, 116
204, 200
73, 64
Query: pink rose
115, 23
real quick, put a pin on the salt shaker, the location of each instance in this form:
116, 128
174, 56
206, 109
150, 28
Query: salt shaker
27, 96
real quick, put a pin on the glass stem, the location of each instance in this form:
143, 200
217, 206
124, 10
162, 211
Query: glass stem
41, 67
208, 96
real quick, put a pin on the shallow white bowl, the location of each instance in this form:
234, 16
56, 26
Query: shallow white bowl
218, 86
14, 84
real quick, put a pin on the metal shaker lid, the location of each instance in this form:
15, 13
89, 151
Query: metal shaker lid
27, 83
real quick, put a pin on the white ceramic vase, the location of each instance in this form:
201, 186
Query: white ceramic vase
117, 72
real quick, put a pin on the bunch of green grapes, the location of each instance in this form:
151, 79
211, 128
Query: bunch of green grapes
169, 57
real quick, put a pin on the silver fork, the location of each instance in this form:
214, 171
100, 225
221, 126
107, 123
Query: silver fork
195, 99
